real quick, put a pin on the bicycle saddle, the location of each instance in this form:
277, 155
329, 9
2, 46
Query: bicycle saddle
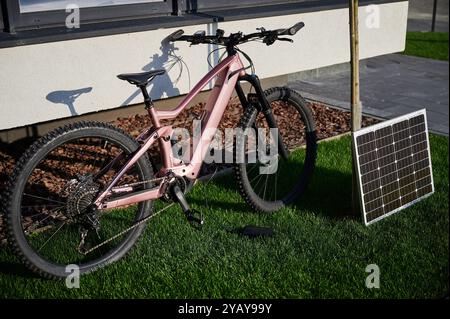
142, 78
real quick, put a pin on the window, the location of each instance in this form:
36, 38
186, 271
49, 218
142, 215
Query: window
199, 5
38, 14
106, 17
48, 5
20, 15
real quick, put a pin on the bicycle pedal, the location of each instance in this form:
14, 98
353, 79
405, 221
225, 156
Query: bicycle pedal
195, 218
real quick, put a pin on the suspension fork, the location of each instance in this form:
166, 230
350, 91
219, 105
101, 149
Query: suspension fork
264, 105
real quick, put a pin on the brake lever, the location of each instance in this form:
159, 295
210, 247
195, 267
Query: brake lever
285, 39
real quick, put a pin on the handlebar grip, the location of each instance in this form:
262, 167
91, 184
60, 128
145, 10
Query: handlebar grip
290, 31
293, 30
175, 35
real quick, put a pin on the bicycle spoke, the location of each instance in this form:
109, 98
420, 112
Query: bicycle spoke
37, 206
259, 179
49, 214
276, 181
47, 199
251, 169
265, 186
59, 228
259, 175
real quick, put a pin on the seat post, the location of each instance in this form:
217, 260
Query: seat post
149, 106
147, 100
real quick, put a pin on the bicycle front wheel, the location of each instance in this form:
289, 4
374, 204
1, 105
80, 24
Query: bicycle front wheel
51, 219
269, 182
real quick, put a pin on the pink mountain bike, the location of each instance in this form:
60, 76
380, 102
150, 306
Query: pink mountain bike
82, 193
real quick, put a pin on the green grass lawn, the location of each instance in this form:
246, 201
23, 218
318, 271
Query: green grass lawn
433, 45
319, 250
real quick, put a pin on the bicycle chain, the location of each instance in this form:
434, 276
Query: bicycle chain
132, 226
140, 183
124, 231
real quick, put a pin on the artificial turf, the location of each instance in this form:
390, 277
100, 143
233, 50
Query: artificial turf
319, 250
433, 45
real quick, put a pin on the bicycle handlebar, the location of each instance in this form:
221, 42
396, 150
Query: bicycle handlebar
269, 37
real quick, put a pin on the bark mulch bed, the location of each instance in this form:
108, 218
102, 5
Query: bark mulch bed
329, 122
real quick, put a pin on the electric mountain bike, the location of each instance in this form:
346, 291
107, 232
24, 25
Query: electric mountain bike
83, 193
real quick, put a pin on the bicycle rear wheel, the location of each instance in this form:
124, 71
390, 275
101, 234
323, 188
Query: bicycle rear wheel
51, 218
268, 183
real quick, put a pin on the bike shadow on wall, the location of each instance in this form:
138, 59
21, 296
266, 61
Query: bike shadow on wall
169, 59
68, 98
162, 85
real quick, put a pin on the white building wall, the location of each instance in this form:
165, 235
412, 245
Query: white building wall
37, 81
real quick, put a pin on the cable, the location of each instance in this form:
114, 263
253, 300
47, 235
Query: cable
179, 59
251, 66
213, 51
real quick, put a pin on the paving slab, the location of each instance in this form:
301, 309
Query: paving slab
391, 85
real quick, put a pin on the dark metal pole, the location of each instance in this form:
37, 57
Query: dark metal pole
433, 21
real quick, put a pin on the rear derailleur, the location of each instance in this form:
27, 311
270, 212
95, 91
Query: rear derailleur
90, 223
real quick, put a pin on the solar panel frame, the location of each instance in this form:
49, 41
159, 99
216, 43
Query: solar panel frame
377, 127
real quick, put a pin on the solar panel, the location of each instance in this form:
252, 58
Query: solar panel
394, 165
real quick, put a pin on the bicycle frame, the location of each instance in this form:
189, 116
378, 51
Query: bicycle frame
227, 74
